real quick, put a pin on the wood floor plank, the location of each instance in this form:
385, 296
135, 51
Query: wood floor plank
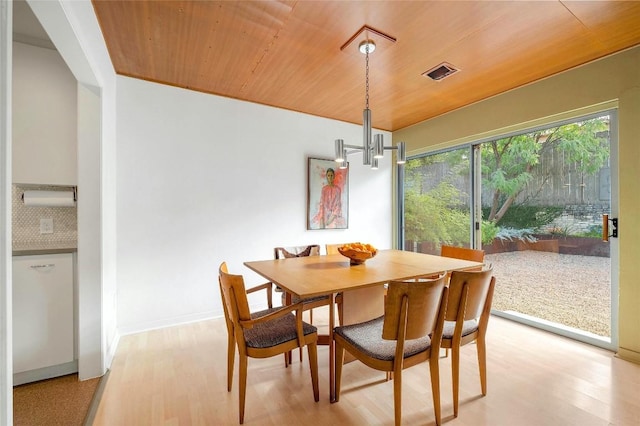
178, 376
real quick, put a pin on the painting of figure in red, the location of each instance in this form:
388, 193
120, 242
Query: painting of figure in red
328, 195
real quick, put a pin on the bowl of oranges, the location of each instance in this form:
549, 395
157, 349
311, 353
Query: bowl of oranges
358, 253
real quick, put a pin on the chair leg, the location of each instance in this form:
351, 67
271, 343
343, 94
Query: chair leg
340, 310
482, 363
243, 386
312, 349
231, 356
455, 377
434, 369
339, 361
397, 396
310, 322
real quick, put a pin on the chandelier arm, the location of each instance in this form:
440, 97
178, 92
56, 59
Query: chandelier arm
358, 147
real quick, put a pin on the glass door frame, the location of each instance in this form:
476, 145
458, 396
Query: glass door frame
476, 214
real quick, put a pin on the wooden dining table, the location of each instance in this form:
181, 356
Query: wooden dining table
361, 286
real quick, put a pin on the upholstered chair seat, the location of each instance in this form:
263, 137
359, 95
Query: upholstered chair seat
468, 327
365, 337
275, 332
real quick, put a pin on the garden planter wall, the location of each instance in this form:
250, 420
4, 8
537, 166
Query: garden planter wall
552, 246
579, 245
564, 245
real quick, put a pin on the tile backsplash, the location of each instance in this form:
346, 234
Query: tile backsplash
26, 219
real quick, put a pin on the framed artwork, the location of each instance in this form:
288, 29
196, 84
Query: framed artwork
327, 195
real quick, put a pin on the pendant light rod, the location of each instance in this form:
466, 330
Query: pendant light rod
366, 46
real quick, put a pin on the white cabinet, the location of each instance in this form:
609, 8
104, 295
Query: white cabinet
45, 115
43, 316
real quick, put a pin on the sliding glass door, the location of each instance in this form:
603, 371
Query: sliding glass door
437, 201
534, 202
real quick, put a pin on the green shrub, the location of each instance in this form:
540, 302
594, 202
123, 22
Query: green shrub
489, 231
527, 216
595, 231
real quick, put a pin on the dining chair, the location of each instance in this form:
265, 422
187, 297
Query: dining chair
308, 303
231, 341
275, 333
407, 334
463, 253
333, 249
466, 320
301, 251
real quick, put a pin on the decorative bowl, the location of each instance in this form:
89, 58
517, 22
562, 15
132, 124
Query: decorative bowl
357, 256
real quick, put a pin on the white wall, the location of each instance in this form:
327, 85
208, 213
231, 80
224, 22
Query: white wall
203, 179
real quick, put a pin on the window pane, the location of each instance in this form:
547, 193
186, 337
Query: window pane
437, 201
543, 197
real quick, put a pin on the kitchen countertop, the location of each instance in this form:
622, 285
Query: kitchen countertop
26, 249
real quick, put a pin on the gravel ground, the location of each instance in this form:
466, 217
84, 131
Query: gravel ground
566, 289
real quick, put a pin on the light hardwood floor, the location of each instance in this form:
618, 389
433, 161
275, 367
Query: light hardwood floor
177, 376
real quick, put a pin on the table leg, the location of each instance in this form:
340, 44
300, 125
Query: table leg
332, 354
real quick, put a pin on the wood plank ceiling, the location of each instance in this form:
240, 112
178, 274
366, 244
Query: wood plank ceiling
288, 54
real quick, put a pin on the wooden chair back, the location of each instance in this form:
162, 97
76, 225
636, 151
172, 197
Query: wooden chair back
333, 248
463, 253
468, 292
234, 295
296, 251
414, 303
227, 318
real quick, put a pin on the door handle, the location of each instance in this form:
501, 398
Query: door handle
605, 227
48, 265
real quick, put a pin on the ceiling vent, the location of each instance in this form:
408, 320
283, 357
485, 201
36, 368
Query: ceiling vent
441, 71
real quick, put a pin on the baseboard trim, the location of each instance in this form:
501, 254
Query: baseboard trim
628, 355
168, 322
95, 401
45, 373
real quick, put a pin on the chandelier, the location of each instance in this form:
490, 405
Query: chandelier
372, 151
